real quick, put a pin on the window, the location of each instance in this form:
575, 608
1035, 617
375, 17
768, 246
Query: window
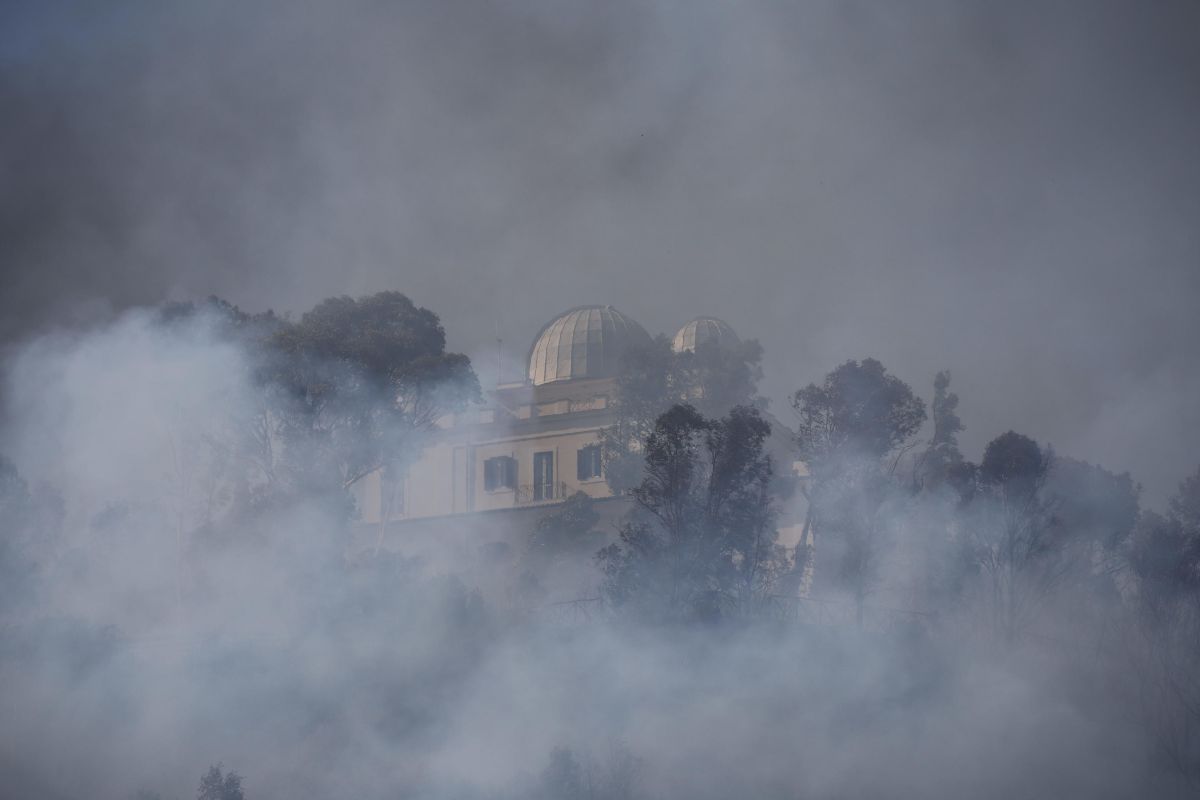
588, 462
543, 475
499, 473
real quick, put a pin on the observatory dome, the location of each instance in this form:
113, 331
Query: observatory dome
704, 329
584, 342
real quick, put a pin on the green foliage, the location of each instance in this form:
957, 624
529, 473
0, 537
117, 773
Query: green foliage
216, 786
947, 424
648, 384
1164, 554
570, 528
1012, 535
354, 386
849, 428
942, 463
718, 376
571, 776
1014, 466
702, 538
383, 335
223, 318
714, 379
1092, 505
15, 500
360, 380
30, 524
860, 411
1185, 504
562, 779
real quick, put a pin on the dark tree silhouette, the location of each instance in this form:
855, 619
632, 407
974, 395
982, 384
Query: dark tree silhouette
714, 378
563, 778
217, 786
30, 527
852, 430
1011, 530
702, 538
350, 388
718, 376
860, 411
1185, 504
570, 528
942, 462
363, 379
1164, 634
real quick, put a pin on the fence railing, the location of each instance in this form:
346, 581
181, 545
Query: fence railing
534, 493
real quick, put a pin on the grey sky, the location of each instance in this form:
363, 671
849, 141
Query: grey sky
1011, 191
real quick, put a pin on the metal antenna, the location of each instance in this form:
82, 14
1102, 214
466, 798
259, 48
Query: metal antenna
499, 355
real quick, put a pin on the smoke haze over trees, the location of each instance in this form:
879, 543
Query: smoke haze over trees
153, 606
1001, 191
962, 236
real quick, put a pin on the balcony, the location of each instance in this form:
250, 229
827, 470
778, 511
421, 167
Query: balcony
539, 493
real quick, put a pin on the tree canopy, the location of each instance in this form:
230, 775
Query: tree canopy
216, 785
849, 429
859, 411
703, 540
361, 378
713, 378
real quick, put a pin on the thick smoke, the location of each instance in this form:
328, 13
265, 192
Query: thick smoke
151, 646
1006, 192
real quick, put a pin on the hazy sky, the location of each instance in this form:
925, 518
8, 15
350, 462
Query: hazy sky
1010, 191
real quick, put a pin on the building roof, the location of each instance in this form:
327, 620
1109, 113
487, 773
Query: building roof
703, 329
583, 342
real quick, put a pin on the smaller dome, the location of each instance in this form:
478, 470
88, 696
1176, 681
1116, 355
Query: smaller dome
701, 330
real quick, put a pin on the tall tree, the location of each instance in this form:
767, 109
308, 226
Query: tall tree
702, 538
215, 785
364, 378
714, 378
852, 430
648, 384
1164, 561
1012, 532
569, 528
941, 477
1185, 504
17, 567
1164, 557
860, 411
942, 461
350, 388
563, 777
1096, 510
717, 376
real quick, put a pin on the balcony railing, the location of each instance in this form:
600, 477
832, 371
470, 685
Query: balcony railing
533, 494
